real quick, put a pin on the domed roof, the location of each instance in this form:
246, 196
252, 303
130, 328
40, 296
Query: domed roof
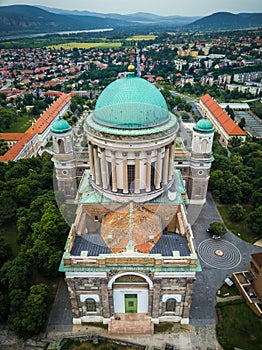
204, 126
131, 103
60, 126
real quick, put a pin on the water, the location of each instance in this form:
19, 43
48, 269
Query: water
52, 33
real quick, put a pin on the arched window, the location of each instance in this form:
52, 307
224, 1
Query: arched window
90, 305
171, 305
61, 146
204, 146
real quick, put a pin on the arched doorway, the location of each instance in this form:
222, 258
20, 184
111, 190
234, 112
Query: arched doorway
130, 293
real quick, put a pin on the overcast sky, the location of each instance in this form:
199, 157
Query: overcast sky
161, 7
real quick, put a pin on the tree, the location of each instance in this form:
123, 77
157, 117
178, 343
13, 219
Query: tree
230, 112
242, 123
217, 228
235, 141
255, 221
5, 251
237, 213
3, 147
33, 315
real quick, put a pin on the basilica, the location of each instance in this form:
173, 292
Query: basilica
129, 260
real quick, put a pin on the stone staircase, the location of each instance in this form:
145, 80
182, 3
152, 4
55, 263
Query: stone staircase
131, 324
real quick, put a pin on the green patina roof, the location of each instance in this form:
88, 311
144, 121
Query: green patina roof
170, 127
60, 126
204, 126
131, 103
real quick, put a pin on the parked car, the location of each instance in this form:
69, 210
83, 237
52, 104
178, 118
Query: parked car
216, 237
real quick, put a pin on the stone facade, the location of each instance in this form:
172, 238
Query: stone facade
97, 289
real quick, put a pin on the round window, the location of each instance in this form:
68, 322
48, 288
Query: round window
200, 172
64, 172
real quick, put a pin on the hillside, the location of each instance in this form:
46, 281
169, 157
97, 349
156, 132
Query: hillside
29, 19
226, 21
23, 19
138, 17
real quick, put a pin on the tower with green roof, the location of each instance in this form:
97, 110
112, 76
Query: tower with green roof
200, 161
64, 158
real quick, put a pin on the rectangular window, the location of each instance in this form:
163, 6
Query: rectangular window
131, 177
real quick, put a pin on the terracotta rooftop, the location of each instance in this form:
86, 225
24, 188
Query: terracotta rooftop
257, 257
49, 115
11, 136
37, 128
13, 152
231, 128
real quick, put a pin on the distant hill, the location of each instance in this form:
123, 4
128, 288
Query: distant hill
138, 17
23, 19
226, 21
29, 19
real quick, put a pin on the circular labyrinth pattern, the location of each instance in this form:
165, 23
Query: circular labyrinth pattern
231, 255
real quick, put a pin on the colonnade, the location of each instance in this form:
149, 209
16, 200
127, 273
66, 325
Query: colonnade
106, 172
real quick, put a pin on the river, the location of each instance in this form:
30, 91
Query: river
20, 36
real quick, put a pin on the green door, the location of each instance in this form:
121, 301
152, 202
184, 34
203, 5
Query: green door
130, 303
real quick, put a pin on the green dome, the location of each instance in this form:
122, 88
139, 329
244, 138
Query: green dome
204, 126
131, 103
60, 126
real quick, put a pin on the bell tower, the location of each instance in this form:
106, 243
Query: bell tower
64, 159
200, 162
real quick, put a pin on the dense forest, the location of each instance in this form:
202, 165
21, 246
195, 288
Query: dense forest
235, 180
27, 198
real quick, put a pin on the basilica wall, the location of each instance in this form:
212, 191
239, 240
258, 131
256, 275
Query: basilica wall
168, 299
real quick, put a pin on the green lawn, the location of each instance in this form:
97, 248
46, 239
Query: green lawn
236, 227
84, 45
232, 291
238, 327
22, 123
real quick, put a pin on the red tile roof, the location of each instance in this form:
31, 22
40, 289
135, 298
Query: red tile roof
13, 152
231, 128
37, 128
48, 116
11, 136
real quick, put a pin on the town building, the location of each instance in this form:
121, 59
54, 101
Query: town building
222, 122
130, 260
249, 283
35, 138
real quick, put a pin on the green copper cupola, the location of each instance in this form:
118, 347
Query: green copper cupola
131, 103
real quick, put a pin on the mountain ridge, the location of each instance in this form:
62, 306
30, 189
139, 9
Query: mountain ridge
27, 19
227, 21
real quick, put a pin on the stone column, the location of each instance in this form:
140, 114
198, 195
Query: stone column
91, 160
125, 175
113, 169
104, 170
187, 302
156, 298
97, 166
171, 161
158, 169
148, 172
104, 297
166, 163
72, 296
137, 172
